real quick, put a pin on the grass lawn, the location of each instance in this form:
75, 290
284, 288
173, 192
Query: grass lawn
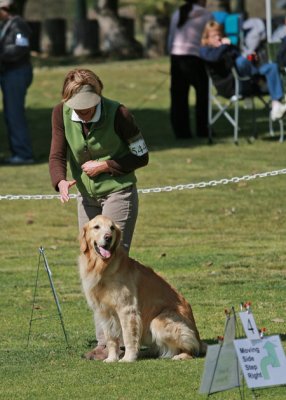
219, 246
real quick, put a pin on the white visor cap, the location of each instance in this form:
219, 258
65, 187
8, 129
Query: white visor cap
84, 98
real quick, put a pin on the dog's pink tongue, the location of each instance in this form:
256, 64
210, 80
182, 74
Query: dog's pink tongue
105, 253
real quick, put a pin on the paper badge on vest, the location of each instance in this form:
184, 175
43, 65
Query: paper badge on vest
21, 40
138, 147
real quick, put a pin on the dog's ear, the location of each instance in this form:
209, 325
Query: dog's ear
82, 239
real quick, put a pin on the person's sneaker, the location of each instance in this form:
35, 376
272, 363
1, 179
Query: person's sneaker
278, 111
16, 160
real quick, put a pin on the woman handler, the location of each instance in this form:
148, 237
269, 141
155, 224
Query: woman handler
104, 146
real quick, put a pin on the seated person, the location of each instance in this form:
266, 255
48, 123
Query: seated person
215, 47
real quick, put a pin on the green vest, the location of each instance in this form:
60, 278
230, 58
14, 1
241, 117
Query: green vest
101, 144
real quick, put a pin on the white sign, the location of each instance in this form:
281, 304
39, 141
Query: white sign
221, 370
249, 325
262, 361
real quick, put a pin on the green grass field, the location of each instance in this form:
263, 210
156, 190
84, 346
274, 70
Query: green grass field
219, 246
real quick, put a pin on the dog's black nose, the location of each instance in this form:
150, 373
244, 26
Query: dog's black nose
108, 238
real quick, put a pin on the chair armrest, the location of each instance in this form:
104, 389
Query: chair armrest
240, 78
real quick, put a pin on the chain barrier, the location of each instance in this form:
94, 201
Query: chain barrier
199, 185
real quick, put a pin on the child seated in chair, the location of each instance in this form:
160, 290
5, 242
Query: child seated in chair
216, 48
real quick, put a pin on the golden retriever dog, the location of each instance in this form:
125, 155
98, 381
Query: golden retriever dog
131, 301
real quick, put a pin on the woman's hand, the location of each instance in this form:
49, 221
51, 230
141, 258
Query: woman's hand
225, 40
93, 168
64, 189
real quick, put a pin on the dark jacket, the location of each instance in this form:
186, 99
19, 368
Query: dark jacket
14, 43
219, 61
225, 53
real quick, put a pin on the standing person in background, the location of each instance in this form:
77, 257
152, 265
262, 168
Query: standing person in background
187, 69
104, 146
16, 76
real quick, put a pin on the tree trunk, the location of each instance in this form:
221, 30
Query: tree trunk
115, 35
85, 32
238, 6
20, 6
86, 37
55, 29
156, 33
80, 9
231, 6
218, 5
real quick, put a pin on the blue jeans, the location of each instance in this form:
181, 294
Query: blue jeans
14, 84
269, 70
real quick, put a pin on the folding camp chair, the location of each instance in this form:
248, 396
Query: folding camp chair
232, 25
233, 89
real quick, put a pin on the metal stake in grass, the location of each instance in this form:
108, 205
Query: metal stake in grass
47, 268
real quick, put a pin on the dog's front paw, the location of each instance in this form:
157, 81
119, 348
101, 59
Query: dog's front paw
110, 359
98, 353
127, 358
182, 356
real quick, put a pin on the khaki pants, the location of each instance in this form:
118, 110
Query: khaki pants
122, 208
